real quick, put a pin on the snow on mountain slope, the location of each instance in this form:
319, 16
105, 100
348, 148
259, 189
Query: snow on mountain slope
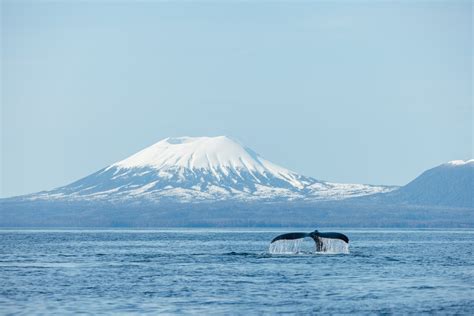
219, 155
192, 169
469, 162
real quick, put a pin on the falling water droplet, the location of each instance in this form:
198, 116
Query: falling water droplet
330, 246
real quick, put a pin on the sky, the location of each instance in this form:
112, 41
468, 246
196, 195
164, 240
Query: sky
359, 92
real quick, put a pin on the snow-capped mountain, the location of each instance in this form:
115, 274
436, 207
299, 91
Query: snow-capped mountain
215, 181
191, 169
450, 184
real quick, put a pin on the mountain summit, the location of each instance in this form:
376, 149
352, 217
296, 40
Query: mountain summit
219, 152
218, 156
191, 169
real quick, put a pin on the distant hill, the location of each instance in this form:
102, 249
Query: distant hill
450, 185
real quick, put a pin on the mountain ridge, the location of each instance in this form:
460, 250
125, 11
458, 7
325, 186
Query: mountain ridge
191, 169
223, 190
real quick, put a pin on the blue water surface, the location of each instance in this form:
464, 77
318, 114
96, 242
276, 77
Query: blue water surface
230, 271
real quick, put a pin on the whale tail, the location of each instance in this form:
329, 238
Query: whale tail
316, 235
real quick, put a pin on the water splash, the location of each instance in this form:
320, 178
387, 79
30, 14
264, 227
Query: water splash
283, 247
330, 246
334, 246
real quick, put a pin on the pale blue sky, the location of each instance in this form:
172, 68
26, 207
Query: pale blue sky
367, 92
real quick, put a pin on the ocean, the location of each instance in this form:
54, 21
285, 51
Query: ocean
234, 271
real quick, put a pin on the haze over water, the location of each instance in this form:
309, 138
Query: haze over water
231, 272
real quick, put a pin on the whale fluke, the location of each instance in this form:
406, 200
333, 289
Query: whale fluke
291, 236
316, 235
334, 236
